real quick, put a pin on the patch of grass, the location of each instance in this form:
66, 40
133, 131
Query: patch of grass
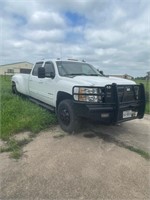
147, 91
19, 114
144, 154
16, 154
15, 147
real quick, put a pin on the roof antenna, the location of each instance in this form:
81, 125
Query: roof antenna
60, 52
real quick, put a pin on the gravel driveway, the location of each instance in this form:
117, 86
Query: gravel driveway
60, 166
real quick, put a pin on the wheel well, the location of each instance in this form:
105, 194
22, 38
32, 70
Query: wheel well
62, 96
14, 84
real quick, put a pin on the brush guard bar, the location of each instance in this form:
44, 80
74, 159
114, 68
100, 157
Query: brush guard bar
115, 101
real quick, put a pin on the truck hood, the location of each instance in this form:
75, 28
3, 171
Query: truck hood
100, 81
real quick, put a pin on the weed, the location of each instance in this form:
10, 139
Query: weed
16, 154
144, 154
15, 147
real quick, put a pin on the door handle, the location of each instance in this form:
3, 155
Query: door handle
40, 82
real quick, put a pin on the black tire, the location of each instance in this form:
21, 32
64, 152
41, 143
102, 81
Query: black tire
14, 89
67, 118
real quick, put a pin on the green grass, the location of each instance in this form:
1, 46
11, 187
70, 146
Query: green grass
147, 91
144, 154
15, 147
19, 114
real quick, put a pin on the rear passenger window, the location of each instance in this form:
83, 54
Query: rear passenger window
35, 70
49, 68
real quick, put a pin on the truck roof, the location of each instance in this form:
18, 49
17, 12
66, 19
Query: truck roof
59, 59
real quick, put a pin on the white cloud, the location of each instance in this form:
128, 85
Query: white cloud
46, 20
100, 38
119, 14
44, 35
113, 34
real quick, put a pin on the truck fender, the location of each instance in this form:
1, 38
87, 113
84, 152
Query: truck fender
20, 84
62, 96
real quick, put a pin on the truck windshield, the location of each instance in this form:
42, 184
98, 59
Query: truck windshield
68, 68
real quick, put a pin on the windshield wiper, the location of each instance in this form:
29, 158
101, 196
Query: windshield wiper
81, 74
77, 74
94, 75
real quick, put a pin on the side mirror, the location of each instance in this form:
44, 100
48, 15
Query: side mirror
101, 72
41, 72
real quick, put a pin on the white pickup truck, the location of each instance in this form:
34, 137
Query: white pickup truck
76, 90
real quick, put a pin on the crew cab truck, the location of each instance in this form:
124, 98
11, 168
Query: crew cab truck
75, 90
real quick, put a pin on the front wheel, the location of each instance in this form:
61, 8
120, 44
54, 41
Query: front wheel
67, 118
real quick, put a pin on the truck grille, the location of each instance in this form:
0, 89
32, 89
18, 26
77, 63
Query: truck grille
126, 93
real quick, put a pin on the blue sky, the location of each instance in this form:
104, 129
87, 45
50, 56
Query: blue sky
113, 35
75, 19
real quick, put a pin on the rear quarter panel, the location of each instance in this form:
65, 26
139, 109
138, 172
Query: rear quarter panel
21, 81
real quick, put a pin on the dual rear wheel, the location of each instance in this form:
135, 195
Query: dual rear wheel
14, 89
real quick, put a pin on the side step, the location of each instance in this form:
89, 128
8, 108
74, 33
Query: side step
48, 107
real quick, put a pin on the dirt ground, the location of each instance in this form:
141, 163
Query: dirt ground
84, 166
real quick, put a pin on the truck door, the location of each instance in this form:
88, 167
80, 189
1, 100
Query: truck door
47, 87
35, 82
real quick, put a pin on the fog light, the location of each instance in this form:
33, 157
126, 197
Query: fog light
104, 115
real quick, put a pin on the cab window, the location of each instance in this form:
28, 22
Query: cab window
49, 69
35, 70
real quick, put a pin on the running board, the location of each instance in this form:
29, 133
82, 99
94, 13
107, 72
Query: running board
51, 108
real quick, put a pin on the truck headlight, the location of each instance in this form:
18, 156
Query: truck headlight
86, 94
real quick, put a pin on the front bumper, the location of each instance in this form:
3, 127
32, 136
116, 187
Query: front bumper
114, 112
